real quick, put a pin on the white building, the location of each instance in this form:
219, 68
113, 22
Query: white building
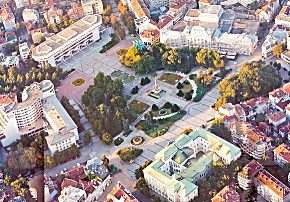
39, 110
178, 167
275, 37
198, 36
231, 2
30, 15
24, 50
277, 118
208, 14
282, 155
53, 15
10, 61
7, 17
72, 194
91, 7
70, 40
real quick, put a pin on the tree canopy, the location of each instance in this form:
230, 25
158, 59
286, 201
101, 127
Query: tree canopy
253, 79
160, 56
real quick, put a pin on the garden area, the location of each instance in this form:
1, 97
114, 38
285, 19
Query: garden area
125, 77
138, 107
155, 128
129, 153
170, 78
118, 141
185, 90
78, 82
205, 81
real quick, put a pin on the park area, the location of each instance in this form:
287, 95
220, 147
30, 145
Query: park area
138, 107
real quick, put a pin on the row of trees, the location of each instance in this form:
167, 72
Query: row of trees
253, 79
74, 114
160, 56
14, 80
106, 107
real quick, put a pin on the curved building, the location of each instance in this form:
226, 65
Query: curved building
70, 40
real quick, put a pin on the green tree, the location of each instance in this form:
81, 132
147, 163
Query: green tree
105, 160
49, 161
10, 48
278, 49
146, 64
87, 136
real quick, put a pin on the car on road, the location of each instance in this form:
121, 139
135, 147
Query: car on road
133, 35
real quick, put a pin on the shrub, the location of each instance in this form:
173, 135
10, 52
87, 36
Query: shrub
179, 86
143, 82
167, 105
154, 107
118, 141
180, 93
192, 76
278, 66
174, 108
188, 96
191, 91
135, 90
129, 153
147, 80
186, 82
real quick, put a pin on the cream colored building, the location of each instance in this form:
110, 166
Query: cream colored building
70, 40
282, 155
24, 50
30, 15
91, 7
179, 167
7, 17
39, 110
72, 194
198, 36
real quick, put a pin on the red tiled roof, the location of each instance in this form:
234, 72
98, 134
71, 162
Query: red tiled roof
75, 11
277, 116
163, 22
77, 173
68, 182
120, 191
284, 151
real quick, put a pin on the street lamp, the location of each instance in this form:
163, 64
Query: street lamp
81, 65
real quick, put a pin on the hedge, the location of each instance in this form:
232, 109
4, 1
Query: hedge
110, 44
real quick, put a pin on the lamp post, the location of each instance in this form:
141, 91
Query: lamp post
81, 65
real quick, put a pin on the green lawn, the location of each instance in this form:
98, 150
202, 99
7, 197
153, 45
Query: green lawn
117, 73
138, 106
161, 126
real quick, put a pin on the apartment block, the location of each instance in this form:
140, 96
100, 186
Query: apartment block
24, 50
7, 17
282, 154
120, 193
91, 7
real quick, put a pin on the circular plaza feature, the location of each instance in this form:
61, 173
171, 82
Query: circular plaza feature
137, 141
78, 82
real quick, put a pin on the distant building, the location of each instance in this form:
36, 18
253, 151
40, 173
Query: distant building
24, 50
269, 187
273, 38
251, 140
53, 15
72, 194
10, 61
227, 194
282, 155
120, 193
179, 167
7, 17
70, 40
91, 7
37, 34
277, 118
283, 18
75, 13
30, 15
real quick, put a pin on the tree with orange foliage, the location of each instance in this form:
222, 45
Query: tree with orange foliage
113, 18
121, 7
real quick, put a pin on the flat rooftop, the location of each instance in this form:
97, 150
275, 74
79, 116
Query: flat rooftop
63, 37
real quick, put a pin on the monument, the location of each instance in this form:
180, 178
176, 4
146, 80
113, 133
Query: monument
156, 91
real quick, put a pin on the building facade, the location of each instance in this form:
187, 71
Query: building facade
282, 155
7, 17
91, 7
24, 51
178, 167
70, 40
120, 193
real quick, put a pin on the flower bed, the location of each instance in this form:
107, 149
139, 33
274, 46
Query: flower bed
78, 82
170, 78
139, 106
129, 153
